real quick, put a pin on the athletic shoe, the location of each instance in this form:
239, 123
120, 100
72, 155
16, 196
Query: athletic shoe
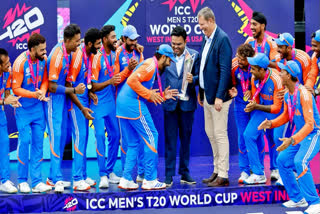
152, 185
8, 187
41, 187
255, 179
24, 187
292, 204
81, 185
104, 182
90, 182
113, 178
128, 185
59, 186
168, 181
274, 174
139, 178
279, 182
243, 177
66, 184
313, 209
186, 179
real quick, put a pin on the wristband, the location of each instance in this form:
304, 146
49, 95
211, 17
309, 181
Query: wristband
61, 89
74, 90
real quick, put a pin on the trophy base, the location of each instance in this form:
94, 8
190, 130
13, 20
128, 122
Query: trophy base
183, 97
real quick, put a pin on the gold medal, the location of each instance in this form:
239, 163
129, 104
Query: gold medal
89, 86
245, 99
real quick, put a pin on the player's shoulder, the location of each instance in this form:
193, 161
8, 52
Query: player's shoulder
304, 93
275, 76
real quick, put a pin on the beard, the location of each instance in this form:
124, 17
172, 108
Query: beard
128, 47
93, 50
112, 46
258, 34
40, 57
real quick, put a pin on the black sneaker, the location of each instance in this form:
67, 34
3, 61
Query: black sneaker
186, 179
168, 181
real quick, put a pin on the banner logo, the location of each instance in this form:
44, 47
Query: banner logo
70, 204
19, 23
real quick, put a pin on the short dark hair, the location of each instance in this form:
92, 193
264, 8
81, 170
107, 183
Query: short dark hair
179, 31
106, 30
70, 31
35, 39
246, 50
92, 35
3, 52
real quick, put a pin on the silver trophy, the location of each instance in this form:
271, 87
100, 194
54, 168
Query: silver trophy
187, 68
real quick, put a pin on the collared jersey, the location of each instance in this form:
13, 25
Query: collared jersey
131, 100
306, 116
270, 47
121, 63
57, 65
79, 73
101, 74
236, 79
22, 80
268, 93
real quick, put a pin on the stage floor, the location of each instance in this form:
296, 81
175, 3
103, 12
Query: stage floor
177, 196
200, 167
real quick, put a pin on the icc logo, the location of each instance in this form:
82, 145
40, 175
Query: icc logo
20, 22
70, 204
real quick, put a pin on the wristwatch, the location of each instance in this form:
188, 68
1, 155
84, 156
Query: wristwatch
292, 140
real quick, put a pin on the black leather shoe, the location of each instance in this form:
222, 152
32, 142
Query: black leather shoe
219, 182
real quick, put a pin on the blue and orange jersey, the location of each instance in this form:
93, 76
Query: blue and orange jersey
121, 63
236, 79
304, 62
314, 71
101, 74
131, 101
22, 81
268, 93
79, 73
57, 65
270, 47
306, 116
4, 84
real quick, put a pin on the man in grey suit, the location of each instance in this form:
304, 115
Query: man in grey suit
178, 114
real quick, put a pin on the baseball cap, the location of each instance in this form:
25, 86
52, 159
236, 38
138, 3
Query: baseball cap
285, 39
259, 59
166, 50
130, 32
292, 67
317, 36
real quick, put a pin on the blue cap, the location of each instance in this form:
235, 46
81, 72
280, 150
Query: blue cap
285, 39
291, 66
260, 59
317, 36
130, 32
166, 50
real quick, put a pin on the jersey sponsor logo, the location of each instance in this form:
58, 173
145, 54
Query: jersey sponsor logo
298, 113
270, 89
28, 72
124, 60
239, 76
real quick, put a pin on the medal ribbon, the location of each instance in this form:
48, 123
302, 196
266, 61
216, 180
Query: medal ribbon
262, 46
244, 83
88, 67
34, 78
266, 77
158, 76
292, 105
109, 69
126, 54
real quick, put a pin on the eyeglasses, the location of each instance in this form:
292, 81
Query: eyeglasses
282, 39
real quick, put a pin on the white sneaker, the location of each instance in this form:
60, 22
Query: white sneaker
313, 209
279, 182
8, 187
41, 187
243, 177
90, 182
66, 184
126, 184
59, 186
152, 185
275, 174
24, 187
255, 179
139, 178
113, 178
292, 204
104, 183
81, 185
